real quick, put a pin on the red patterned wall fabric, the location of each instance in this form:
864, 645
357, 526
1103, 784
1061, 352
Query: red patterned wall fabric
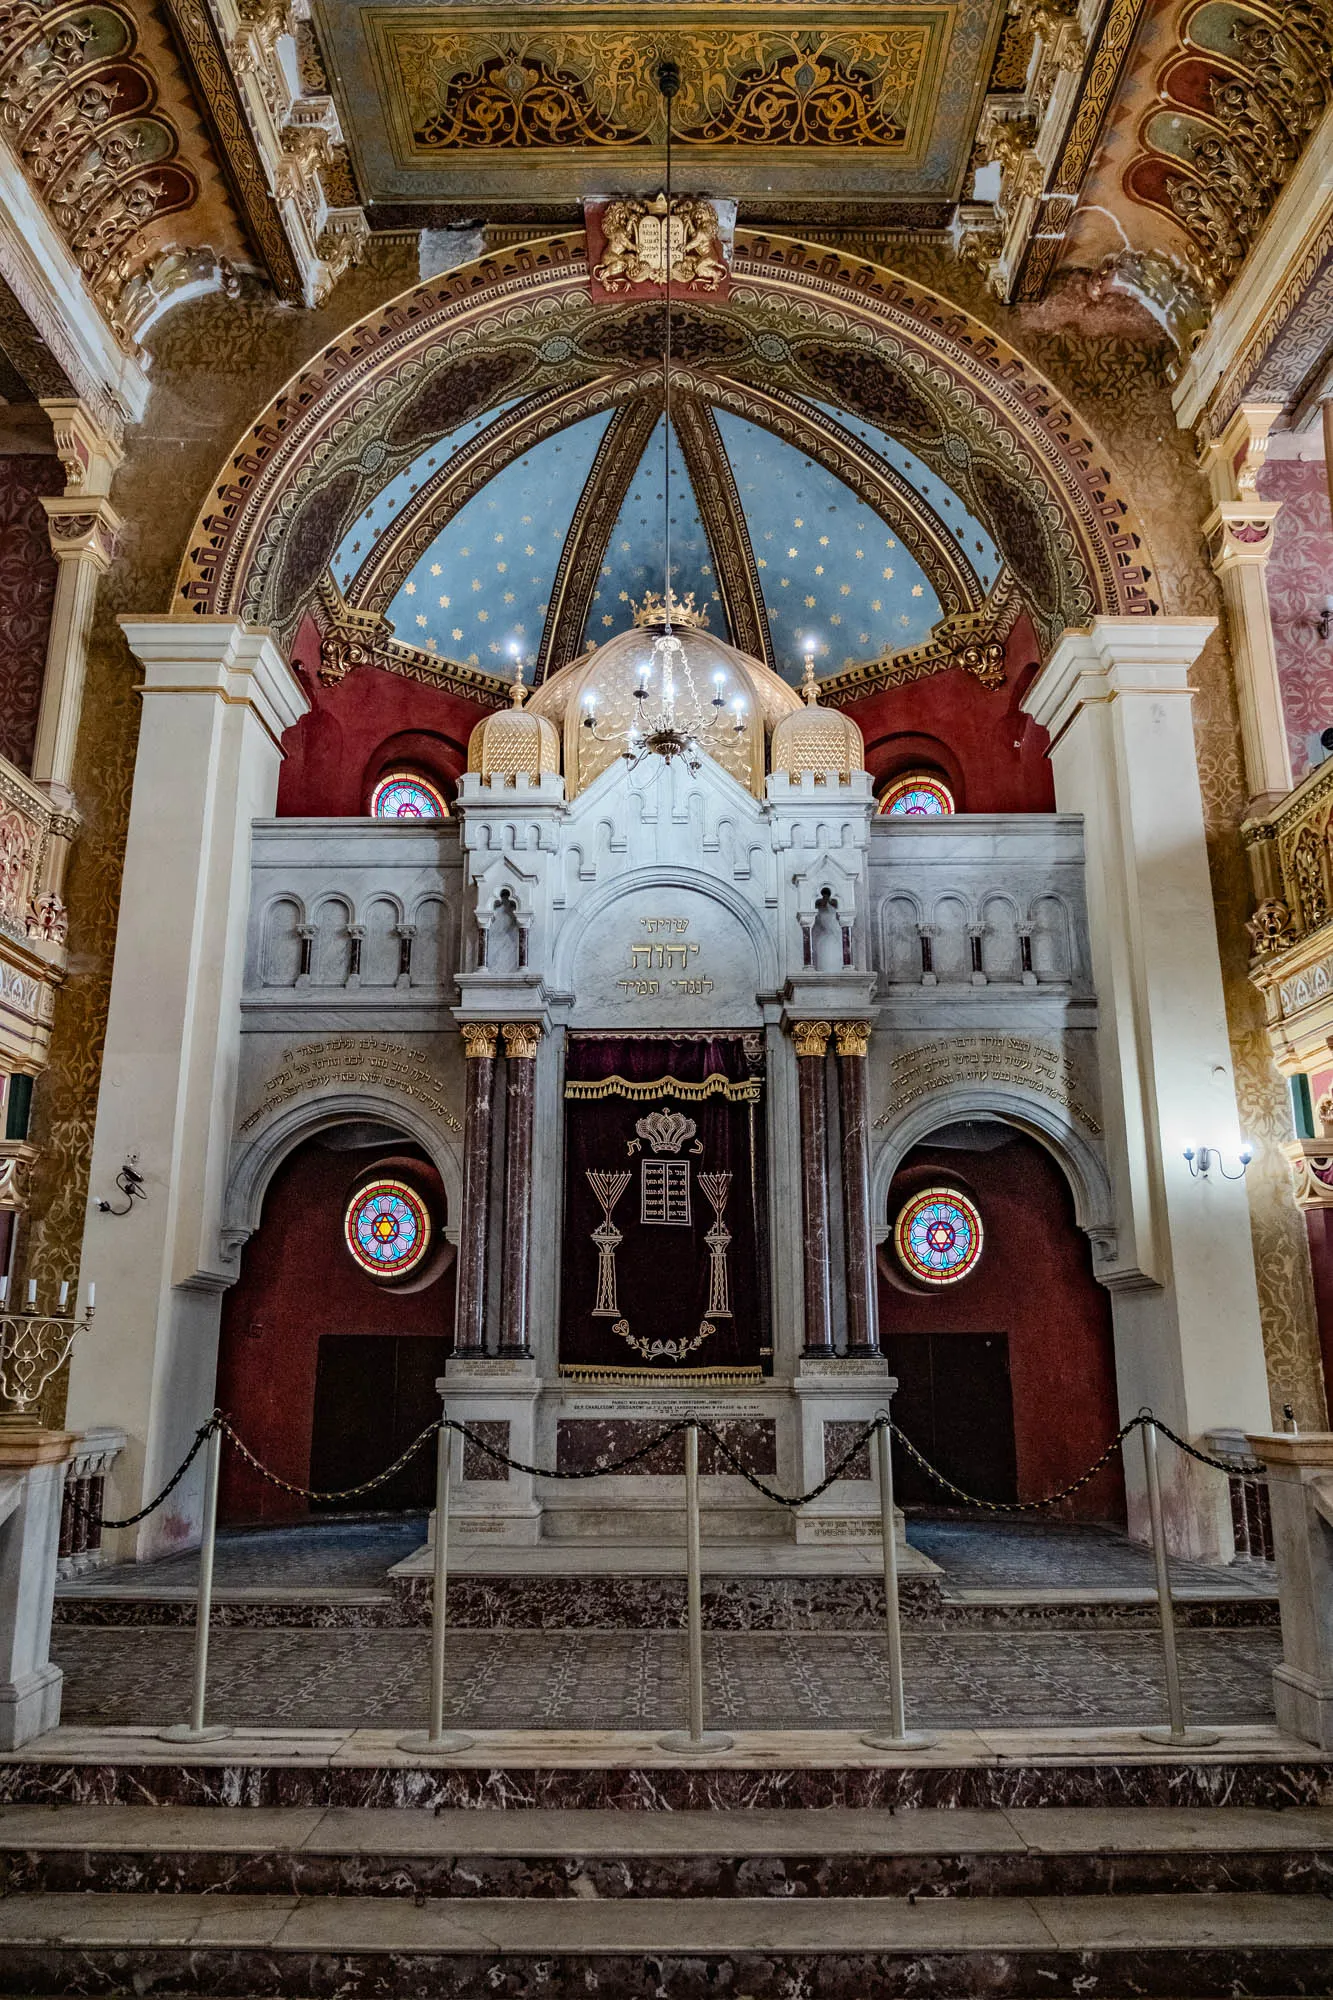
1300, 576
27, 593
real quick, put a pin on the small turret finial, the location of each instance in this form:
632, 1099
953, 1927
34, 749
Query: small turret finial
809, 685
517, 691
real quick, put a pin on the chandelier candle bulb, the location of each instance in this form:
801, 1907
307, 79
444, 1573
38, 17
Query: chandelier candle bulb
64, 1296
32, 1292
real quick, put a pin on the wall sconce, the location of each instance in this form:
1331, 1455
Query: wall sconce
1325, 620
130, 1182
1201, 1159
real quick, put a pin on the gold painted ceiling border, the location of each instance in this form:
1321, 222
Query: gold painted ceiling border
350, 637
974, 642
590, 530
714, 484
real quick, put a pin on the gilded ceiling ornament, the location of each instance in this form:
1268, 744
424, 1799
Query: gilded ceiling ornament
638, 241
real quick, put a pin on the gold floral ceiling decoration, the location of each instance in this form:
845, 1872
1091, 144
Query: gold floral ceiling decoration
459, 102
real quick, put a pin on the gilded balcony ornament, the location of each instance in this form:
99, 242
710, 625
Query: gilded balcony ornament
1271, 928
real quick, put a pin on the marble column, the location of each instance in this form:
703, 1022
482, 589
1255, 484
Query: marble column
853, 1042
521, 1039
33, 1463
811, 1039
1240, 540
479, 1045
1300, 1493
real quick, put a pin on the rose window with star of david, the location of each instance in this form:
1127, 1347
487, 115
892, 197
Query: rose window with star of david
938, 1236
387, 1229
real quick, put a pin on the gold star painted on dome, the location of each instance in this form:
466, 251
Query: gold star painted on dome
529, 550
793, 552
624, 597
465, 552
784, 581
809, 603
431, 644
410, 589
421, 618
499, 538
823, 541
889, 542
606, 569
607, 619
482, 617
888, 576
476, 583
525, 521
762, 561
457, 632
916, 590
435, 570
844, 590
798, 522
876, 604
444, 604
624, 548
509, 597
903, 619
502, 567
819, 569
836, 619
859, 554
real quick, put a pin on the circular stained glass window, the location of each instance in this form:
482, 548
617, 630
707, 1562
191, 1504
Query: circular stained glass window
938, 1236
388, 1229
919, 797
403, 796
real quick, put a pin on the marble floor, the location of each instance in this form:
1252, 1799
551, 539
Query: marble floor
1027, 1557
634, 1680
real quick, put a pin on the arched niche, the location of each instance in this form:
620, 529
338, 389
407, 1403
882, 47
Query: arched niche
665, 948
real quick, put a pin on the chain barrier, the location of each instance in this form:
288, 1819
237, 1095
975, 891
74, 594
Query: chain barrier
603, 1469
201, 1437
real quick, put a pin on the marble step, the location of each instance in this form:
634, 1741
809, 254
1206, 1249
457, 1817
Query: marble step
607, 1855
1189, 1947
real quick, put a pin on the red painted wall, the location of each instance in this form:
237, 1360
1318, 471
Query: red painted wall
297, 1282
27, 594
371, 723
1035, 1283
992, 754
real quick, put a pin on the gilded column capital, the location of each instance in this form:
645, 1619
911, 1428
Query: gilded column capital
521, 1039
82, 529
811, 1037
853, 1037
480, 1039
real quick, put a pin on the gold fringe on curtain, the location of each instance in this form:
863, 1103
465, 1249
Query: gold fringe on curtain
653, 1378
669, 1086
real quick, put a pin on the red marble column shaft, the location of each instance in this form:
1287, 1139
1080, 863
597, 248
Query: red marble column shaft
862, 1324
811, 1039
521, 1038
479, 1044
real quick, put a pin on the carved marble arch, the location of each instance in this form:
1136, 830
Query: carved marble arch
801, 320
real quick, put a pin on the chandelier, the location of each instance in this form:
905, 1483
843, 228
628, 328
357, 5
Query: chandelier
670, 717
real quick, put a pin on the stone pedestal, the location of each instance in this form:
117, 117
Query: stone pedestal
497, 1398
837, 1398
32, 1484
1300, 1489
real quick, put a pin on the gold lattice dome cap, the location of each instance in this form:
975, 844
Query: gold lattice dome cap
815, 738
515, 742
611, 673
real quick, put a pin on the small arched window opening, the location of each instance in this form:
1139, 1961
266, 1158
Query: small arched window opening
407, 795
917, 795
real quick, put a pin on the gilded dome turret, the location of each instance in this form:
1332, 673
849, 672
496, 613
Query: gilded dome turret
815, 738
515, 741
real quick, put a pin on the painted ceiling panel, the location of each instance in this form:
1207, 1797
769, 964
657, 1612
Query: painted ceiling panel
831, 571
485, 581
972, 538
635, 554
372, 521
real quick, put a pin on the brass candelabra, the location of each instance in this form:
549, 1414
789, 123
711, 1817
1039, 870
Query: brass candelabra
34, 1346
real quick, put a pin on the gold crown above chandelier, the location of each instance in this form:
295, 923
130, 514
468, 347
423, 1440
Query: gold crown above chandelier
675, 611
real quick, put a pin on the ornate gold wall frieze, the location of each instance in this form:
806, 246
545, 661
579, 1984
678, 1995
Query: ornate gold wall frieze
358, 1061
811, 1038
538, 79
1285, 349
1216, 154
1017, 1060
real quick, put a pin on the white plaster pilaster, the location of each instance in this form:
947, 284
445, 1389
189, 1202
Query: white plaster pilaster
1117, 703
1239, 532
217, 697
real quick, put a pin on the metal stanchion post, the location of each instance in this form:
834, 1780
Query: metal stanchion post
898, 1736
195, 1730
695, 1738
437, 1739
1177, 1734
